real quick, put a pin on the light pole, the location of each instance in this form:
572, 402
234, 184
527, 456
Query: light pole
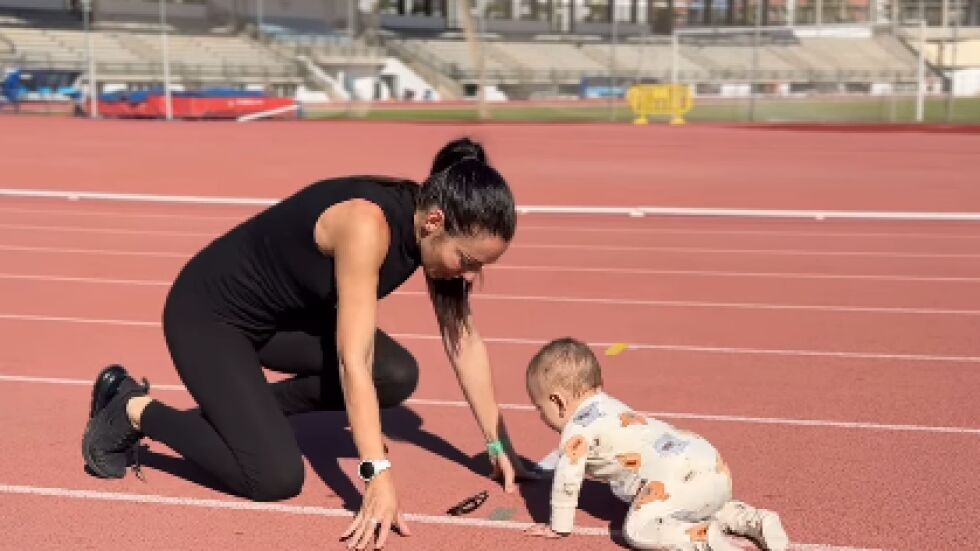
259, 16
952, 66
613, 39
755, 59
93, 89
920, 92
166, 60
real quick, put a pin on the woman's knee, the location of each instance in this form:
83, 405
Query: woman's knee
396, 372
399, 382
276, 478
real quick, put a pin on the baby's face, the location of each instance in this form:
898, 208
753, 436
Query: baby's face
542, 398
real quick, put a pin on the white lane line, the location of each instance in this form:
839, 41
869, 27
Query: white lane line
776, 232
719, 305
820, 423
81, 279
710, 250
539, 342
107, 231
126, 214
150, 499
551, 246
561, 299
560, 229
553, 268
719, 273
310, 510
106, 252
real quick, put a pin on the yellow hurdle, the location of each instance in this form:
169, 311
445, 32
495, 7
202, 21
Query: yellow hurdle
660, 99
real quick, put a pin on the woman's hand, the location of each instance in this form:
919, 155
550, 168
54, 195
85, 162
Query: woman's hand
379, 513
510, 468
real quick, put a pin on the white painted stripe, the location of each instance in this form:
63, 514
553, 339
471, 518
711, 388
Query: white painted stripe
559, 229
685, 250
120, 214
521, 209
93, 280
108, 231
738, 419
107, 252
720, 305
698, 273
136, 197
265, 507
708, 250
718, 273
774, 232
633, 229
310, 510
269, 113
742, 419
721, 273
73, 382
87, 321
539, 342
566, 300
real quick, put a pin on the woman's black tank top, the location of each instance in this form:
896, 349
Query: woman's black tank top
268, 275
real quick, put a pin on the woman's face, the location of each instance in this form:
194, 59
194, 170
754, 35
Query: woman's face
450, 257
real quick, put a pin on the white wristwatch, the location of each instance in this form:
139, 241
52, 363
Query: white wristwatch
370, 468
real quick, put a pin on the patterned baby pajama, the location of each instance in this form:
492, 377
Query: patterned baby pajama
674, 480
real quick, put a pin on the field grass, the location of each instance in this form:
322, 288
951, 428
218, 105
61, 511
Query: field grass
864, 110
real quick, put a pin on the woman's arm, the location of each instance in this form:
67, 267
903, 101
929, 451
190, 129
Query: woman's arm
471, 362
356, 234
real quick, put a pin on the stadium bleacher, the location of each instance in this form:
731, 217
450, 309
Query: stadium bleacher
277, 57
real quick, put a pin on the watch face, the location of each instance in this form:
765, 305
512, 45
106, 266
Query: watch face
367, 470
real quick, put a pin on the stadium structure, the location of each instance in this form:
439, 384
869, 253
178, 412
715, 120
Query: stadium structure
322, 52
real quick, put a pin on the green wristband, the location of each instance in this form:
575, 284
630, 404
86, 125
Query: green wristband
495, 448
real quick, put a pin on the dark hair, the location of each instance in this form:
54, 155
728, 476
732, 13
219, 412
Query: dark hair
455, 151
475, 200
566, 362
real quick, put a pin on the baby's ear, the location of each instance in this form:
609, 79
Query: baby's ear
559, 401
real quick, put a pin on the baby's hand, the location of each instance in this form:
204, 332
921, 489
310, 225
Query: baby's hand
542, 531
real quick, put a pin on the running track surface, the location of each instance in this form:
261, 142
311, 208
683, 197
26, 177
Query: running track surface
834, 363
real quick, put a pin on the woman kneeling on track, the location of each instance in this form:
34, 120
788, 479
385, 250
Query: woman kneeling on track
295, 289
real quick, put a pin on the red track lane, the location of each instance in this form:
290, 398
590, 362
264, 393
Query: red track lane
632, 290
84, 524
214, 219
596, 259
116, 235
865, 484
838, 389
657, 165
109, 235
850, 255
847, 472
90, 265
743, 261
857, 332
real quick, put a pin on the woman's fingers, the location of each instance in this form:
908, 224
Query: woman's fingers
353, 525
383, 532
361, 526
402, 525
368, 528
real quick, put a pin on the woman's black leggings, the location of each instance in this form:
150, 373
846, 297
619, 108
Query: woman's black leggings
240, 433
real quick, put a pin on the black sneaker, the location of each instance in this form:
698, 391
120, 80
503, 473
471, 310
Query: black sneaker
110, 441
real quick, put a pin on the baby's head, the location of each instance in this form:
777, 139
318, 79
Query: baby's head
562, 374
